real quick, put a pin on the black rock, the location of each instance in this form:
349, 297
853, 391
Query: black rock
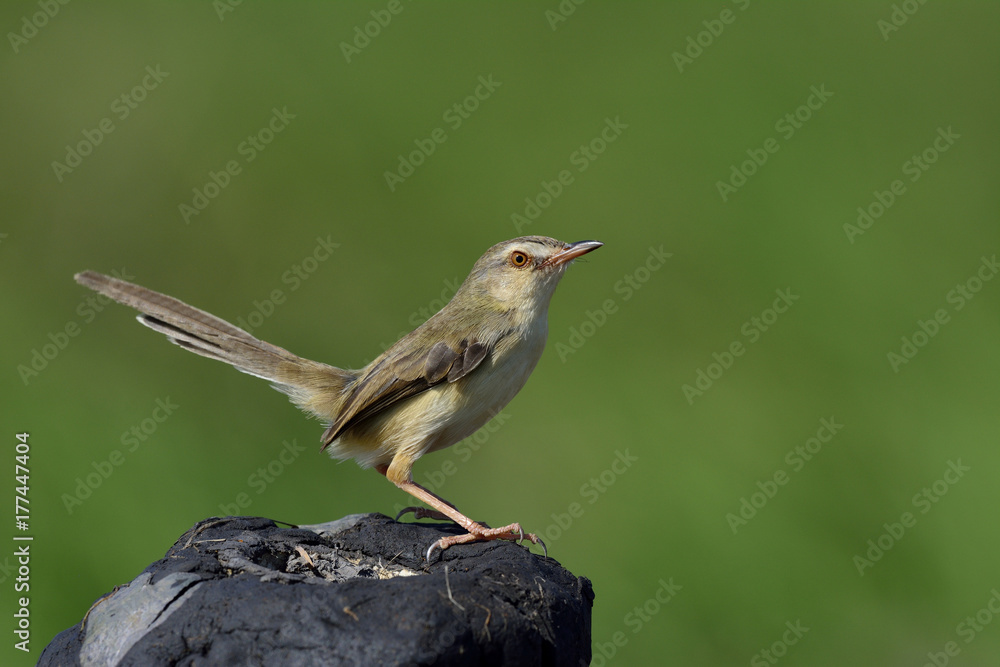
357, 591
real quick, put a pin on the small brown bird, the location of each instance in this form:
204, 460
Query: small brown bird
434, 387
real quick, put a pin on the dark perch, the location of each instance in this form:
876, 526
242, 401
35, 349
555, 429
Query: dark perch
239, 591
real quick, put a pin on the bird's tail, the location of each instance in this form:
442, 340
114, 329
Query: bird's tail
316, 388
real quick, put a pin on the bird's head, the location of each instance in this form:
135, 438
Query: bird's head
521, 275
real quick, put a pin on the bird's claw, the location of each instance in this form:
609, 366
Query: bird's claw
481, 533
406, 510
545, 549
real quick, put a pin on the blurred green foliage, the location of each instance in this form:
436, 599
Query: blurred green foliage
740, 138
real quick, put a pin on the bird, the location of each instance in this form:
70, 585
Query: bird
431, 389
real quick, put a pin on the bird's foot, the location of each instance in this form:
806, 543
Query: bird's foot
424, 513
479, 533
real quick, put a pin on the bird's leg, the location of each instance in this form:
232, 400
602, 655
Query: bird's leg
421, 512
443, 509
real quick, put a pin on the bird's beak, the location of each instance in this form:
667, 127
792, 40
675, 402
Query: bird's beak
570, 252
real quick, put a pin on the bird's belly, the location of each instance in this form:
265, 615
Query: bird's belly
444, 414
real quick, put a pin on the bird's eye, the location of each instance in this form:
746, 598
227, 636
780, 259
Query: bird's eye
519, 259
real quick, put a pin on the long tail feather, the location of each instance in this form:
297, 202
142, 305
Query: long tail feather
313, 386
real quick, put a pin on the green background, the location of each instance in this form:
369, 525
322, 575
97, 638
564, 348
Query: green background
606, 389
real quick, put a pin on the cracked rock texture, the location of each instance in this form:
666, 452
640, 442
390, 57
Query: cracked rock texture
357, 591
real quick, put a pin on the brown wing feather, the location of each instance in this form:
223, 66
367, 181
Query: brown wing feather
394, 379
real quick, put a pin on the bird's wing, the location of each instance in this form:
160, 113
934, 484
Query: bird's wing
396, 377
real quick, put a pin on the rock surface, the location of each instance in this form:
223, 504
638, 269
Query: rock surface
356, 591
